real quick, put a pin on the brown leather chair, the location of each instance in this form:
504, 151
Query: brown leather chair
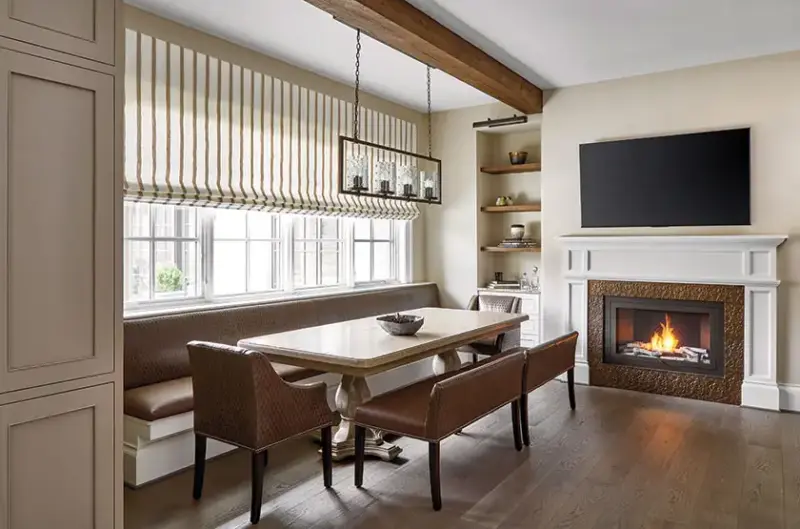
502, 342
544, 363
435, 408
239, 399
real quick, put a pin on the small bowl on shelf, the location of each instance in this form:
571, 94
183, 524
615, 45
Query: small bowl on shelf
401, 324
518, 157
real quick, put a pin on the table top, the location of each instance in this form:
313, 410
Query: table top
355, 345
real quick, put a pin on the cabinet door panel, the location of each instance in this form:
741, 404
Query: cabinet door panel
80, 27
57, 461
56, 222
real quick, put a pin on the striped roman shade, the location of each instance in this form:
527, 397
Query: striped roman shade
203, 131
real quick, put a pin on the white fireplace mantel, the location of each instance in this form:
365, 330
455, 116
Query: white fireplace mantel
747, 260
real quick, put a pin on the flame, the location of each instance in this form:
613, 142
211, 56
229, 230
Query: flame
666, 340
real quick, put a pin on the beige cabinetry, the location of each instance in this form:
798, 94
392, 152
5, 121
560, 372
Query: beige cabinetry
56, 221
60, 233
84, 28
59, 465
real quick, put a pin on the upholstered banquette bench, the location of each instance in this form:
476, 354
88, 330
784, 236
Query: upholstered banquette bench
158, 399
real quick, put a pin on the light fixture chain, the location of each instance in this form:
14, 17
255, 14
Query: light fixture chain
358, 83
430, 134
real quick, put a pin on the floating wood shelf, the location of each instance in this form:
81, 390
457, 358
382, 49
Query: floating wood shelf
516, 208
499, 249
512, 169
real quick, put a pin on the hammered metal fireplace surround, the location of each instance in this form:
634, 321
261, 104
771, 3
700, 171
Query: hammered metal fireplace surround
678, 339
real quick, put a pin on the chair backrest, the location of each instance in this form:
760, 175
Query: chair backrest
463, 398
507, 304
548, 360
227, 383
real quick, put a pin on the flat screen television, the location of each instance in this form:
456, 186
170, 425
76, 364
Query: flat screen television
700, 179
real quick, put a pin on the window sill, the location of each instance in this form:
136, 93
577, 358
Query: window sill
196, 306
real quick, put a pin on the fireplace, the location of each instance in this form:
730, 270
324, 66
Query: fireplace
672, 335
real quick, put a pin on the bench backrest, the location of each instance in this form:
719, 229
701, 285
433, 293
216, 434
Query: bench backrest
155, 347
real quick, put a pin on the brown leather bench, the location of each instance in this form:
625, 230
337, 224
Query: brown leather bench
157, 376
433, 409
544, 363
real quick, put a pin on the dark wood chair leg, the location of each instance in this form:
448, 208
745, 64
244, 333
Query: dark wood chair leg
571, 387
436, 478
523, 419
515, 412
199, 465
257, 486
266, 458
361, 442
327, 457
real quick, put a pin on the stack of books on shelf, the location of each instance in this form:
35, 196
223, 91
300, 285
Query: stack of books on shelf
525, 242
504, 285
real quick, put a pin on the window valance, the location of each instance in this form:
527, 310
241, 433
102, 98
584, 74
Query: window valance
203, 131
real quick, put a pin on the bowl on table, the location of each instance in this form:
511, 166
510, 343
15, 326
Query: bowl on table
401, 324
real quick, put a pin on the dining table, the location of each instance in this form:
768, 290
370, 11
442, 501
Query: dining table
359, 348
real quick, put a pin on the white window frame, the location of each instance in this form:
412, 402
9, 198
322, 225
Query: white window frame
402, 265
394, 264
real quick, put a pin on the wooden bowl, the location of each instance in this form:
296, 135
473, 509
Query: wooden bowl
401, 324
518, 157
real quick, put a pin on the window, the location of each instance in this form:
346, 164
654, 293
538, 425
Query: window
246, 252
317, 251
373, 249
185, 255
161, 246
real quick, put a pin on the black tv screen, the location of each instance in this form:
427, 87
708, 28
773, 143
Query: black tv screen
698, 179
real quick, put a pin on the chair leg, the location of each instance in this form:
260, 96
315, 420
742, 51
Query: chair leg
571, 386
515, 412
199, 465
327, 457
257, 464
474, 358
361, 442
523, 419
436, 477
266, 458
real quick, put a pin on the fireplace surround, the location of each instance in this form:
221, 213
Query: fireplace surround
699, 268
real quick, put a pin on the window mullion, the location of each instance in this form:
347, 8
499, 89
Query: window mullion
207, 254
287, 254
349, 251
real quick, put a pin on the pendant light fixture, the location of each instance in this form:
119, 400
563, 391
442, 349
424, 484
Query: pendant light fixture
373, 170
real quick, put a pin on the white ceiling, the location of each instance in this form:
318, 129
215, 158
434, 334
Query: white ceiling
553, 43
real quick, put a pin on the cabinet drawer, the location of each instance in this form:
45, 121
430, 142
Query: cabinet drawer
531, 326
530, 306
84, 28
57, 203
57, 460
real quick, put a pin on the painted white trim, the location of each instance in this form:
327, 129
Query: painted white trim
747, 260
789, 397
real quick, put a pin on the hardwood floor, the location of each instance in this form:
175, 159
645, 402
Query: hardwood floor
623, 460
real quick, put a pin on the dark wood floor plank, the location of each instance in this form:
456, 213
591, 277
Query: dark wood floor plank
761, 502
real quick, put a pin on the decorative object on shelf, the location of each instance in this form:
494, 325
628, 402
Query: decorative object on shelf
498, 277
522, 242
504, 285
534, 284
372, 170
517, 231
501, 201
401, 324
518, 157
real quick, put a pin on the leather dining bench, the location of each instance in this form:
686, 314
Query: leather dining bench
435, 408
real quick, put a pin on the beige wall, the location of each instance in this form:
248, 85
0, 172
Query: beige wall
168, 30
451, 235
763, 94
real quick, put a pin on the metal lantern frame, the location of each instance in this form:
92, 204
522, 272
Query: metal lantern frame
364, 183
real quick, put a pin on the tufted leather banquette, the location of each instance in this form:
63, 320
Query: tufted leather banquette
157, 373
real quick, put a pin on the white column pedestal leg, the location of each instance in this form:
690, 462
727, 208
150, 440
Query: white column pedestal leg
446, 362
352, 392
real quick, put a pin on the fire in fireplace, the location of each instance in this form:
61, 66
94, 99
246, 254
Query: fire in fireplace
664, 334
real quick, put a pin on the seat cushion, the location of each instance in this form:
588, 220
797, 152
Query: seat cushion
400, 411
157, 401
173, 397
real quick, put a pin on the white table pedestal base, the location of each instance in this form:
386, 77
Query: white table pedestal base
354, 391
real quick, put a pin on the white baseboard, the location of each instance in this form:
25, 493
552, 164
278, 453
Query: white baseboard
789, 397
765, 396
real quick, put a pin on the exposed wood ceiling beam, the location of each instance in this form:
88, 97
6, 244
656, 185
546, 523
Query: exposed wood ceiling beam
407, 29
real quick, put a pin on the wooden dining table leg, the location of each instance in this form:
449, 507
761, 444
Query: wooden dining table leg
352, 392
